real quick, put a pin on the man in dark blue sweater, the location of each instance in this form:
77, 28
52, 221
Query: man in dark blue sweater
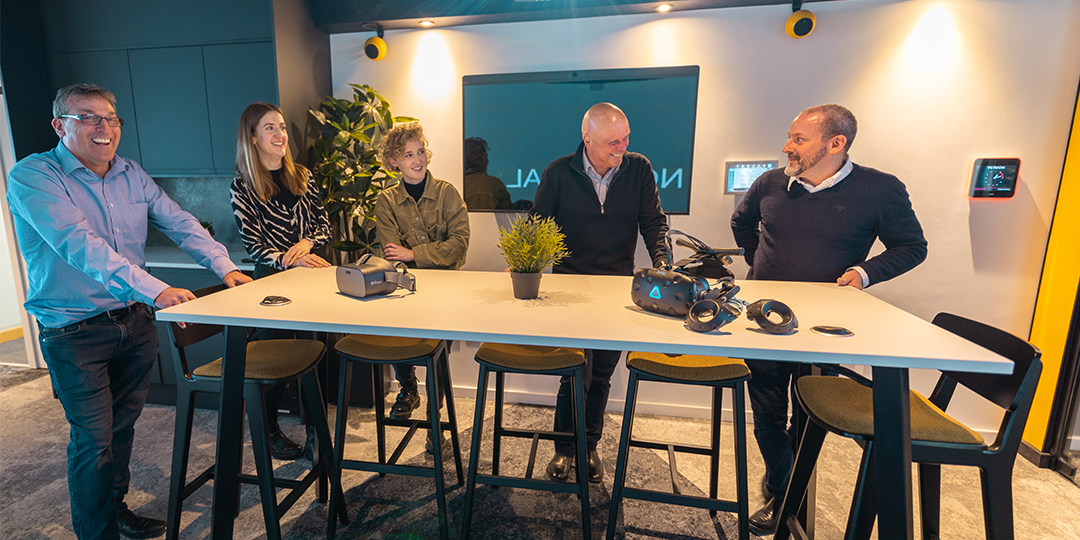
816, 221
602, 197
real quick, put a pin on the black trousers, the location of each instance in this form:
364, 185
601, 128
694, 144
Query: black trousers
599, 365
769, 390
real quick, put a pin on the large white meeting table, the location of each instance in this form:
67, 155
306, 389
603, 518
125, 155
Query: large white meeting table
595, 312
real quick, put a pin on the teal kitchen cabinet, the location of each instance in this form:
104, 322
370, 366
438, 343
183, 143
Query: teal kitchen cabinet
188, 102
169, 91
236, 76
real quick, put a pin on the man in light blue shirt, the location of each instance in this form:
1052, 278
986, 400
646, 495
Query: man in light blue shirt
81, 216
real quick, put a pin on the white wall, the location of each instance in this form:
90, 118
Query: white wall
934, 84
10, 306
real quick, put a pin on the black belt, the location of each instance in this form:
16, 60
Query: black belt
112, 315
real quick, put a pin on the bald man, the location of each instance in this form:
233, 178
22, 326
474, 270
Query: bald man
816, 220
602, 197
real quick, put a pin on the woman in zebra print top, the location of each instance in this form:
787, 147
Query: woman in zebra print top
276, 202
281, 219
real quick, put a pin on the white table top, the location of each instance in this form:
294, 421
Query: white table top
594, 312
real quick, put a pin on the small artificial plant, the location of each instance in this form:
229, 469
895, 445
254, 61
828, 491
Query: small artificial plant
532, 244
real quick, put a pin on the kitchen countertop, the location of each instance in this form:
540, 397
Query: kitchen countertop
174, 257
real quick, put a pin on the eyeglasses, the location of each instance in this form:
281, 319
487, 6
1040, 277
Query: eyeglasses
93, 119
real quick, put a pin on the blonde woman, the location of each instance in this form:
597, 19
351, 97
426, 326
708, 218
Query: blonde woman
276, 202
422, 222
281, 219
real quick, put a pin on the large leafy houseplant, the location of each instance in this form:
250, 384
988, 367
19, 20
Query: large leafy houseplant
530, 245
347, 166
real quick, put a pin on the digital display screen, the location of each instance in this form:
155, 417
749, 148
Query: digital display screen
740, 174
994, 177
529, 120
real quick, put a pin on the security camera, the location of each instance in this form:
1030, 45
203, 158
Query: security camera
375, 48
801, 23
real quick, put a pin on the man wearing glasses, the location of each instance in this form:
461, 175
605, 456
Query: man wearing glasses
81, 214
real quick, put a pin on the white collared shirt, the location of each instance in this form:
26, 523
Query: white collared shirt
826, 184
600, 183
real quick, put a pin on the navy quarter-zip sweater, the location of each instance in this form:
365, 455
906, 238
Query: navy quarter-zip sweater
794, 235
602, 239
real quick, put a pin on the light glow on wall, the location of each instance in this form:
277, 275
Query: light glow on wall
433, 75
934, 42
665, 43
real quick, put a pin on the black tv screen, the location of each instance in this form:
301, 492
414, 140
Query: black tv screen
530, 119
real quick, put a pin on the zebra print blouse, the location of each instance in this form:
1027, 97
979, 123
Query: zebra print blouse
268, 229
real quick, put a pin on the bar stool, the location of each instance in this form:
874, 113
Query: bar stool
845, 406
502, 359
268, 363
375, 350
717, 372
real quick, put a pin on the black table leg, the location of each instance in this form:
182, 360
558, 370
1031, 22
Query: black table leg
808, 509
230, 434
892, 438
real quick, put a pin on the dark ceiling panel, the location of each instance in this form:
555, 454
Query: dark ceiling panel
343, 16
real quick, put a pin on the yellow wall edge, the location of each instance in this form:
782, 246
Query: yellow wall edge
1057, 288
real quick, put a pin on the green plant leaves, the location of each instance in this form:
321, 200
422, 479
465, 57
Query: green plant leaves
347, 165
532, 244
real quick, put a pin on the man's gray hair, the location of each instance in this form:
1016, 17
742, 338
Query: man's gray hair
59, 105
835, 120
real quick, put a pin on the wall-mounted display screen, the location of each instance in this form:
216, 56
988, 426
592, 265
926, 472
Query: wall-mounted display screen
528, 120
994, 177
740, 174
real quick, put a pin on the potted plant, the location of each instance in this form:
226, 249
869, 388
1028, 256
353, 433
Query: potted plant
530, 245
348, 169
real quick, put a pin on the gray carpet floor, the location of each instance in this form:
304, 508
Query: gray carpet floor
34, 500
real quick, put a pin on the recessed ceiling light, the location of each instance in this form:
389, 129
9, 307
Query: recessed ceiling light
427, 24
663, 8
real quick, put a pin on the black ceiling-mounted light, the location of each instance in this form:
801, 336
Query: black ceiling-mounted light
375, 47
801, 22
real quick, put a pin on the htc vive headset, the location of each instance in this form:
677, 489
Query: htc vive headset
667, 291
672, 290
371, 275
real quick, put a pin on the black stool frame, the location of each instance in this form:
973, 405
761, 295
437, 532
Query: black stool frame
581, 488
741, 506
438, 384
1013, 393
254, 396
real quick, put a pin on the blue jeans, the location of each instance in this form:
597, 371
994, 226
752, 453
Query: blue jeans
599, 366
101, 373
769, 388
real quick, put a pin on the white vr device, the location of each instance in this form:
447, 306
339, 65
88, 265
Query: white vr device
371, 276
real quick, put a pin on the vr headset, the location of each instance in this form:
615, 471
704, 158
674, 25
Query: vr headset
672, 290
681, 290
371, 276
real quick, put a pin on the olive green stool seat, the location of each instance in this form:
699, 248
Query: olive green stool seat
530, 360
848, 407
714, 371
271, 360
845, 406
267, 363
376, 350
